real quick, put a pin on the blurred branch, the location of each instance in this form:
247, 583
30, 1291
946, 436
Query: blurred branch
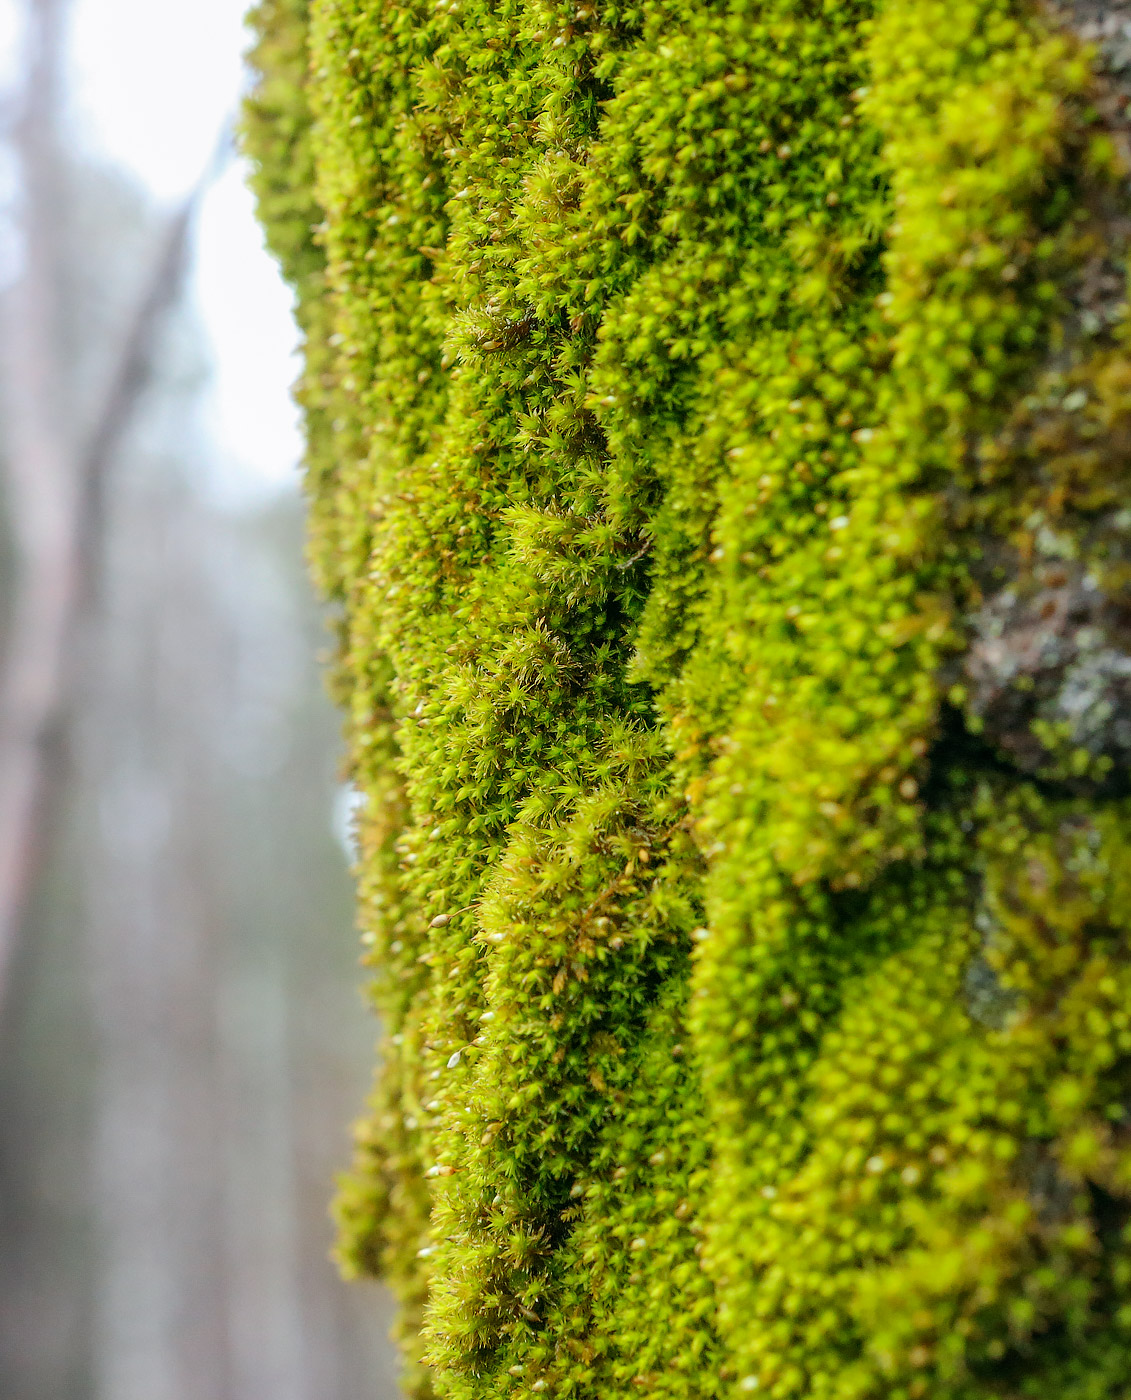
56, 485
130, 375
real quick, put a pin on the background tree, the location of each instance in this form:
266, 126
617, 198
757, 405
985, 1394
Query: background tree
177, 1051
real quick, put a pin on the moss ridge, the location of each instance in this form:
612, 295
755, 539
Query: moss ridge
680, 379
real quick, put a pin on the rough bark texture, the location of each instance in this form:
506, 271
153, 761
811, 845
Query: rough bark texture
719, 450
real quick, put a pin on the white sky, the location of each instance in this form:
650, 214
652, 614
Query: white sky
9, 43
154, 82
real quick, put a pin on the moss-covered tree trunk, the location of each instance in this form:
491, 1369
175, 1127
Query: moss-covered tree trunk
720, 440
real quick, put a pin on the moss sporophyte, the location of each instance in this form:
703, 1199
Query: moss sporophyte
719, 422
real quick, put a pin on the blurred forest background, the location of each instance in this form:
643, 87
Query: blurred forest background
182, 1039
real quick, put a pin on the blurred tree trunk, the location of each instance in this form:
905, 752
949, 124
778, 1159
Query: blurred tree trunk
55, 471
169, 1119
42, 490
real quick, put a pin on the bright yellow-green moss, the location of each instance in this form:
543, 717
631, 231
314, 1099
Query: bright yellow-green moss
683, 377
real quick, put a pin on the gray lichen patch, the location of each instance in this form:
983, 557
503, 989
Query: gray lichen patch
988, 1003
1055, 1199
1046, 671
1107, 25
1047, 667
1050, 664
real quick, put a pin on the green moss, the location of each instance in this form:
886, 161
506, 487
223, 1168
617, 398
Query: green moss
678, 379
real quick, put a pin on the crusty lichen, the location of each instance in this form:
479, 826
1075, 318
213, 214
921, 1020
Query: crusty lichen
718, 439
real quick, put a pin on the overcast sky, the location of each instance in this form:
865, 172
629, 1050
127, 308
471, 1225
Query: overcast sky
154, 82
